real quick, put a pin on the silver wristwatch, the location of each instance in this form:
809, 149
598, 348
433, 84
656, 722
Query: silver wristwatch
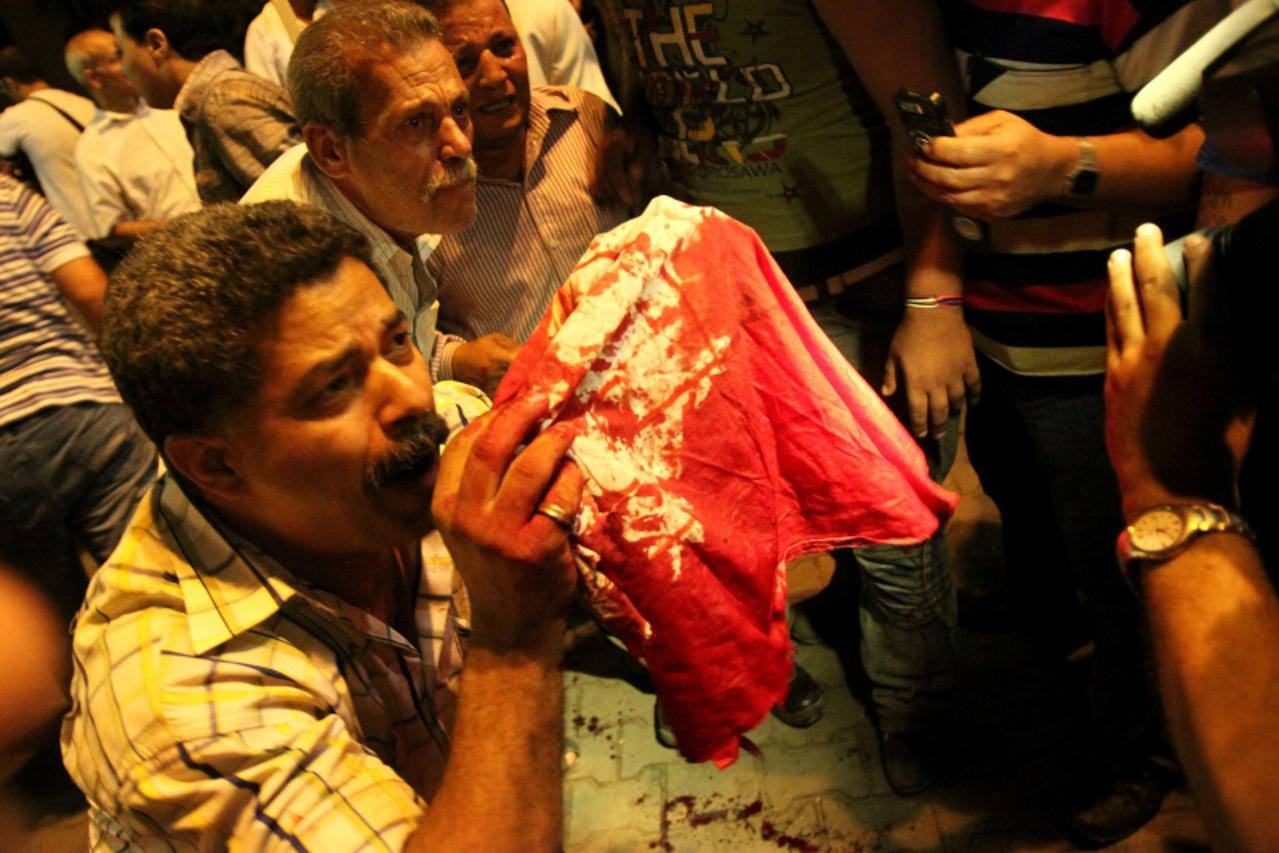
1163, 532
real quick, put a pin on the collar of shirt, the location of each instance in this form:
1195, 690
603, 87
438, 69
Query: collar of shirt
543, 102
187, 103
231, 586
104, 117
383, 248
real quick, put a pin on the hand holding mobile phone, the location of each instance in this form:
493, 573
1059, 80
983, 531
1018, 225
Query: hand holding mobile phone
925, 116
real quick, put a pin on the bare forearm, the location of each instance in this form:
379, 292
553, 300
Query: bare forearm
502, 788
135, 228
1215, 625
1137, 171
82, 284
911, 52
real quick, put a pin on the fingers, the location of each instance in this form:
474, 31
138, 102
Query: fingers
1126, 326
889, 387
953, 152
939, 408
972, 383
566, 493
917, 411
1156, 282
951, 177
490, 453
1206, 306
528, 480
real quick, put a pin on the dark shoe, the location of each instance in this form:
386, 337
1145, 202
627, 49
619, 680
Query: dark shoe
804, 701
912, 761
1127, 801
661, 729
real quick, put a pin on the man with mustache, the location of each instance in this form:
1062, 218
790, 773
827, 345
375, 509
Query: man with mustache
387, 131
269, 660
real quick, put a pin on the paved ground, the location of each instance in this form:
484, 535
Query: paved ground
1016, 729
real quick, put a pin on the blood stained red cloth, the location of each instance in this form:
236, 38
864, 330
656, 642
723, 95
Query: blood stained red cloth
720, 434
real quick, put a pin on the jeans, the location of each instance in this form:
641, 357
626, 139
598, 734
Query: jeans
1038, 444
907, 611
73, 477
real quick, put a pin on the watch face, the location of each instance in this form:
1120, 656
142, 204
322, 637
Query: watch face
1156, 530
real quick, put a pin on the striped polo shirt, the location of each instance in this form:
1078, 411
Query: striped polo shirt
1036, 298
46, 358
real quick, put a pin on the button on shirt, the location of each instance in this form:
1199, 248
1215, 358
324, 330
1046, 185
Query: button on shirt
293, 177
499, 274
135, 166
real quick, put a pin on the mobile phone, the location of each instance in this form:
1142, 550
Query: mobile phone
925, 116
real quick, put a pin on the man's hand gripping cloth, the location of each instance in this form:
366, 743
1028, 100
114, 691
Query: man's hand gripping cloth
721, 434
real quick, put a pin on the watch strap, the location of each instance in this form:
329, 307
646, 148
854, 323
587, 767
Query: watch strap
1197, 519
1083, 178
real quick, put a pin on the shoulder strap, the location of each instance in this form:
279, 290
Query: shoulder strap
79, 127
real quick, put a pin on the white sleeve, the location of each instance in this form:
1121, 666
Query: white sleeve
554, 37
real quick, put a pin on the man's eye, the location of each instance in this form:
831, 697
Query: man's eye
503, 47
461, 110
414, 122
339, 385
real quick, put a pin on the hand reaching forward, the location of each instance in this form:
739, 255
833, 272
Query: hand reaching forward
515, 560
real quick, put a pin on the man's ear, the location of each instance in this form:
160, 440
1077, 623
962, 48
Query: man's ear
91, 81
328, 150
157, 44
207, 461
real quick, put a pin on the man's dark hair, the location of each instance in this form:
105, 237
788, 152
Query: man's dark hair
324, 82
14, 63
184, 310
194, 28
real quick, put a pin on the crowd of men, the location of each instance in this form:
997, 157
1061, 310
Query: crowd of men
328, 248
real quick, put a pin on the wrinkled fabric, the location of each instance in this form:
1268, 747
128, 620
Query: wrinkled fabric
720, 434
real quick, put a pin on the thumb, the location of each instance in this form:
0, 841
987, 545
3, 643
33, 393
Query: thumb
889, 387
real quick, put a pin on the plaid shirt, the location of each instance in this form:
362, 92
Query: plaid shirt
238, 124
219, 698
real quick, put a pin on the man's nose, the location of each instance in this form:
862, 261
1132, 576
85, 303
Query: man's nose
455, 140
403, 397
492, 72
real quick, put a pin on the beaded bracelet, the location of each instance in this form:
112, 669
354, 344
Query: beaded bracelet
948, 300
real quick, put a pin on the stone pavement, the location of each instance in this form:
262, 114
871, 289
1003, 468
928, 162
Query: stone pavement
1016, 731
821, 788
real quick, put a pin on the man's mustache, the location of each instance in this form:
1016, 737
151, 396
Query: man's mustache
453, 174
415, 452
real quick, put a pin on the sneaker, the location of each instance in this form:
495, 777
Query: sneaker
804, 701
1127, 801
912, 761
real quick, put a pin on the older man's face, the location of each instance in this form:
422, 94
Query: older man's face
338, 449
411, 169
480, 36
